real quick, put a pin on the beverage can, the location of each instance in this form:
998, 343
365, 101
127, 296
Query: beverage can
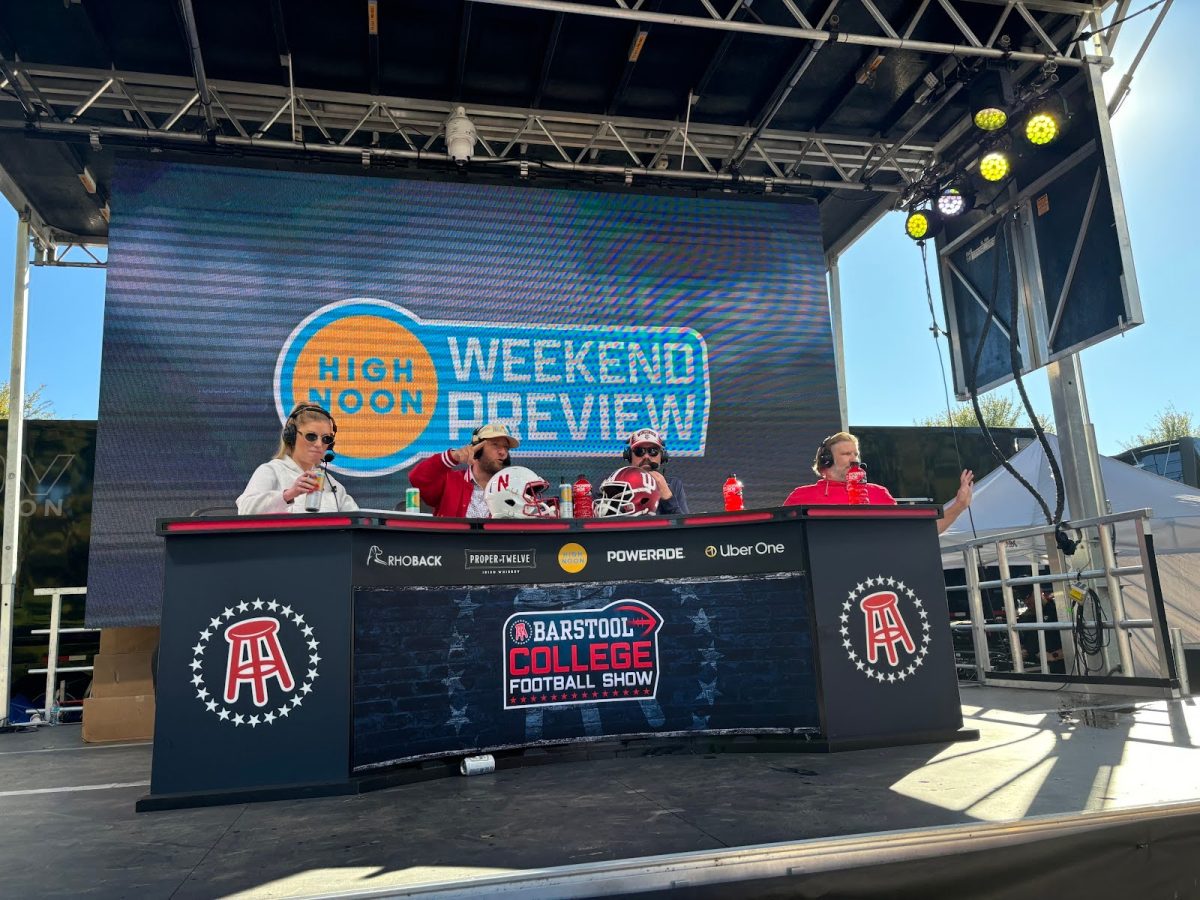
412, 500
477, 765
566, 505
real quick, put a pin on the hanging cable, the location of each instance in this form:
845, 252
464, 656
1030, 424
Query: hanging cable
1015, 359
973, 378
1090, 640
936, 329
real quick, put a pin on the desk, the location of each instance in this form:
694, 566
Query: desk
306, 655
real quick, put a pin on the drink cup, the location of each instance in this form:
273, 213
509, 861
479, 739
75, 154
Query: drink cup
312, 502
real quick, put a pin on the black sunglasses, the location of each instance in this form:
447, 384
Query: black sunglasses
311, 437
646, 451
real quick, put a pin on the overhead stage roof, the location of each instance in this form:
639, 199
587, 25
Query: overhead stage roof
842, 101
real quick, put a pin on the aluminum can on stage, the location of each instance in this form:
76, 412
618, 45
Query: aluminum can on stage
412, 500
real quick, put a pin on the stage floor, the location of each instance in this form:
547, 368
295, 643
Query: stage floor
69, 827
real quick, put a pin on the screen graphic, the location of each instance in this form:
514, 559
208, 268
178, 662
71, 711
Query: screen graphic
417, 311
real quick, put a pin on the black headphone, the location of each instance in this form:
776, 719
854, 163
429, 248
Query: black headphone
479, 452
627, 453
289, 427
825, 454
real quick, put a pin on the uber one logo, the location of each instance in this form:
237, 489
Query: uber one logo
727, 551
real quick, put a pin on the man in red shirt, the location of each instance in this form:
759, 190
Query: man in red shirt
836, 455
460, 492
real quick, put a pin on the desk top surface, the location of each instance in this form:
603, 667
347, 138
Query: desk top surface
399, 521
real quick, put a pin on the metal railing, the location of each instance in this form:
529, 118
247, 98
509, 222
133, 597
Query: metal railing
53, 708
1096, 539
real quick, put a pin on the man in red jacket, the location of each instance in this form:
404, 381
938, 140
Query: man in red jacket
835, 456
459, 492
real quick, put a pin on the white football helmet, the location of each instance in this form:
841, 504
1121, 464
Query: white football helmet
629, 491
515, 492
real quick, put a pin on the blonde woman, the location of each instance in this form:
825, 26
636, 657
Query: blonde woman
282, 484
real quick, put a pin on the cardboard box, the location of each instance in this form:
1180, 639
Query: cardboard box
123, 674
129, 640
118, 719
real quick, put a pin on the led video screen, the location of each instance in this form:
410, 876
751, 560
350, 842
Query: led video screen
416, 311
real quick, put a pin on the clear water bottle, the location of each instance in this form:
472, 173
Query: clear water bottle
731, 491
856, 485
581, 496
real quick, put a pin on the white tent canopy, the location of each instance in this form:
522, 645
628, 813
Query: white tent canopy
1002, 504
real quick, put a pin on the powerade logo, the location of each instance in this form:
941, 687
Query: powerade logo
402, 388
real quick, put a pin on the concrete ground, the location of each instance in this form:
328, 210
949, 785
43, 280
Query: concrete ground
68, 826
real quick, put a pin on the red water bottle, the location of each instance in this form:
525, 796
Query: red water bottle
581, 494
856, 485
732, 492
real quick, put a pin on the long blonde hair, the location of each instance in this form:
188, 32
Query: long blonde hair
303, 412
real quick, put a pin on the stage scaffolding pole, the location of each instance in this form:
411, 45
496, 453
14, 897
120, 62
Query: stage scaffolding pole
12, 461
839, 349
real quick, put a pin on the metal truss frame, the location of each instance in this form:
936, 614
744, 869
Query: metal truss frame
892, 35
164, 110
160, 111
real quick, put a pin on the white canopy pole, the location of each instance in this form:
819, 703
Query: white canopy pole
12, 461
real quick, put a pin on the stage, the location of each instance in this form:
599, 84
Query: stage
1009, 803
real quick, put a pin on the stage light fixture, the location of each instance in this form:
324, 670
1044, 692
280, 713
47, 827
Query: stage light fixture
1046, 122
954, 201
922, 224
994, 166
991, 98
460, 137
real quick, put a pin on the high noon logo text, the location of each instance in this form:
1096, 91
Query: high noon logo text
581, 655
402, 388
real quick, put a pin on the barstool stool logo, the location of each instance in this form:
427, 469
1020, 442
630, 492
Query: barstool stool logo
885, 629
581, 655
255, 663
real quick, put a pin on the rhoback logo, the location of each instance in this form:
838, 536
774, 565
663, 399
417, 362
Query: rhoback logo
581, 655
268, 666
881, 623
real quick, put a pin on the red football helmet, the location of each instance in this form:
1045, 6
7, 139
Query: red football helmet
629, 491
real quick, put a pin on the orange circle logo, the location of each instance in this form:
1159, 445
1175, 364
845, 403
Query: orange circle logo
360, 360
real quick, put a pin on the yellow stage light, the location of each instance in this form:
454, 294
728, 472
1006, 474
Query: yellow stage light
994, 166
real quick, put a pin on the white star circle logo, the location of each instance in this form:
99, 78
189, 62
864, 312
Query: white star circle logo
877, 671
214, 703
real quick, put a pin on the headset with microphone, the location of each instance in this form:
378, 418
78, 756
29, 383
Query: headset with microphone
291, 432
825, 455
476, 439
824, 458
627, 453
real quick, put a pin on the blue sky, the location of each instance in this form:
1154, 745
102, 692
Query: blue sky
1128, 379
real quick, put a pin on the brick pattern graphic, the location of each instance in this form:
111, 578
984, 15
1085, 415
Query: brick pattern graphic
735, 653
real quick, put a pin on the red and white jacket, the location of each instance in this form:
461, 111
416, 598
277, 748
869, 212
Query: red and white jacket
443, 485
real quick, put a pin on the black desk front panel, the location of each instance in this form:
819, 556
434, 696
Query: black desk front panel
451, 670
